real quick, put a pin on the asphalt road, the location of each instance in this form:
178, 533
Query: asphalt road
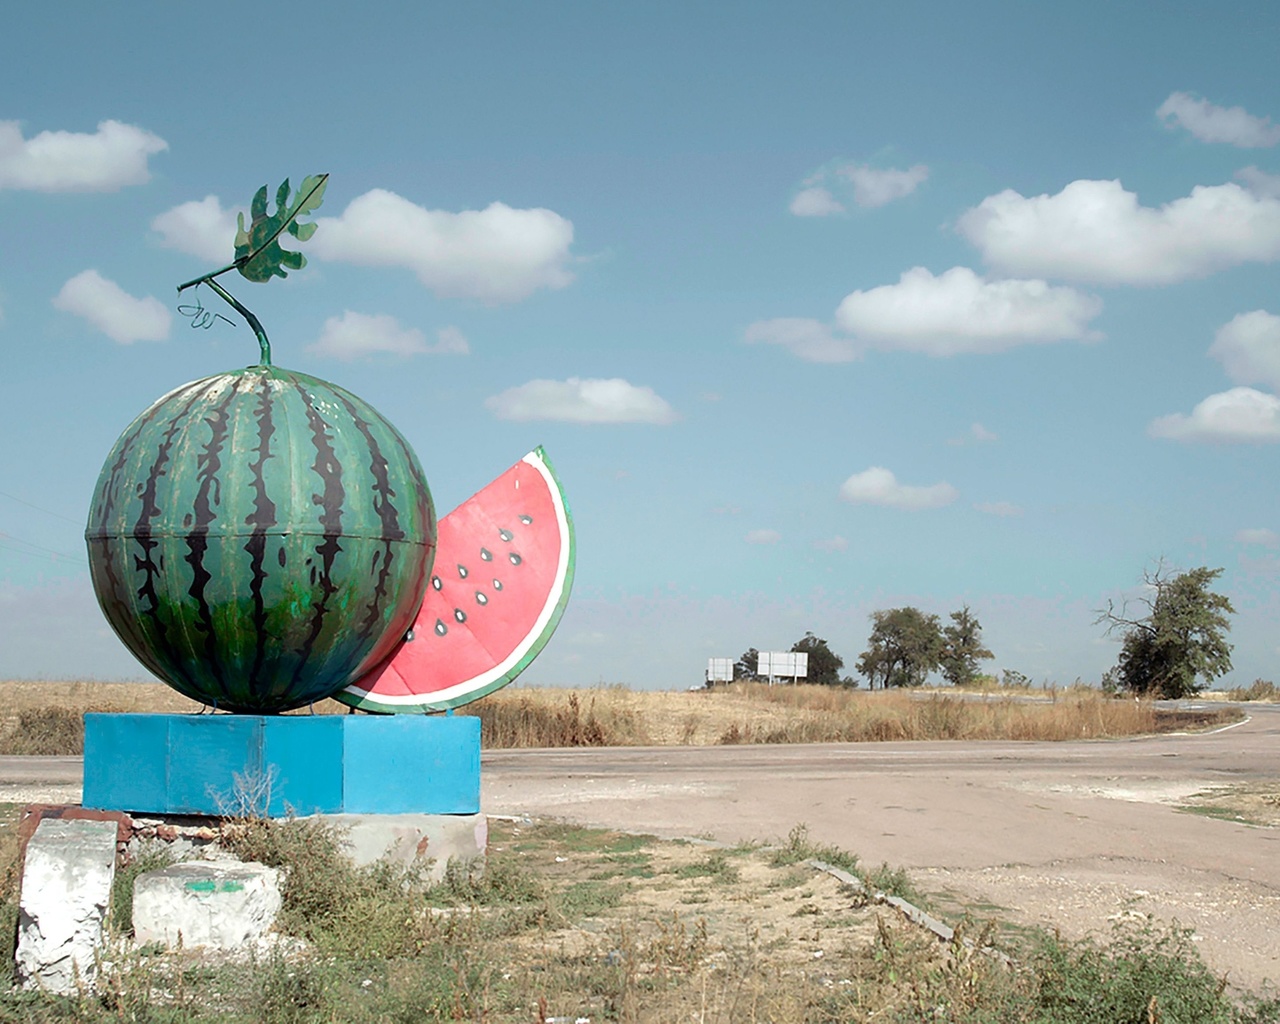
1069, 835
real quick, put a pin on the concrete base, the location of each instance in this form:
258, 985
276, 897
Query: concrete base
66, 890
411, 838
218, 905
221, 765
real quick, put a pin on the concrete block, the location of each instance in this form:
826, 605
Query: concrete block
218, 905
407, 838
66, 891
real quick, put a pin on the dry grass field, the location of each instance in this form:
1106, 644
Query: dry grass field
613, 716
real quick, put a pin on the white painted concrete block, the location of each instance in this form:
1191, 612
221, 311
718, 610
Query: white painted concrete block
216, 904
66, 891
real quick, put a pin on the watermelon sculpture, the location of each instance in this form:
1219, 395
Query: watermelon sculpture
260, 539
503, 570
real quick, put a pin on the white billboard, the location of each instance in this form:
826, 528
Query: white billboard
719, 670
786, 664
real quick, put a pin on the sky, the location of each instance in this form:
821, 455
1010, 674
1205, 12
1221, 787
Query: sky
818, 308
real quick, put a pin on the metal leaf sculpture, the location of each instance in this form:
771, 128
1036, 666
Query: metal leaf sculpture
259, 254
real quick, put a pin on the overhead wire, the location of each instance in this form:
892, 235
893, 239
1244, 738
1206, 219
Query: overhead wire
40, 551
22, 501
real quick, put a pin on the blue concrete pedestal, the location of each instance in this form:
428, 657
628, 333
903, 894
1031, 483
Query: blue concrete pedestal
302, 764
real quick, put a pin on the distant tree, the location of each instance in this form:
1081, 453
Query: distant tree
962, 648
824, 663
904, 647
747, 666
1181, 639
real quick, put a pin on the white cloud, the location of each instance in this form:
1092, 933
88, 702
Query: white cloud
1249, 348
873, 186
815, 201
1003, 509
581, 401
115, 312
1260, 183
356, 335
955, 313
450, 341
977, 434
106, 161
201, 227
958, 312
498, 254
1260, 536
1241, 414
878, 486
1096, 231
832, 544
763, 537
827, 191
1211, 123
810, 340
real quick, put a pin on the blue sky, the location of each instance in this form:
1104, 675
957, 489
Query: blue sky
817, 308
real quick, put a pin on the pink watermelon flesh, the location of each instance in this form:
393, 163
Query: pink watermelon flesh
503, 569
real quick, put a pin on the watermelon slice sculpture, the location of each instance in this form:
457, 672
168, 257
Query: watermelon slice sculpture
503, 570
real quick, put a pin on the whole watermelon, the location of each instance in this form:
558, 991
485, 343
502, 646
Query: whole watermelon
260, 538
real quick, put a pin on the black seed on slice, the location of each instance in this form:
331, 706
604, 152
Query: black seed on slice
527, 520
408, 636
441, 628
486, 554
280, 557
462, 570
497, 584
506, 535
435, 582
515, 559
480, 597
460, 615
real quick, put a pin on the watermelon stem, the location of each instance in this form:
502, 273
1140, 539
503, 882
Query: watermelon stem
264, 346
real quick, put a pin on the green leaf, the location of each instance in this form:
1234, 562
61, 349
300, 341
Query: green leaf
259, 255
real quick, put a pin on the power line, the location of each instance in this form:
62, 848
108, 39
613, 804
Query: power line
21, 501
57, 555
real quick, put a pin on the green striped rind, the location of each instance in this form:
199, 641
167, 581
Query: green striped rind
537, 643
260, 538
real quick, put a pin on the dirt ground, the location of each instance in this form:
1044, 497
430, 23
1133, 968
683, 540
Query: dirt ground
715, 933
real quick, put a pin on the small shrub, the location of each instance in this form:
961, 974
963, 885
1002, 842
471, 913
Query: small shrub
377, 911
716, 866
892, 881
121, 914
290, 993
799, 847
492, 882
1143, 973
